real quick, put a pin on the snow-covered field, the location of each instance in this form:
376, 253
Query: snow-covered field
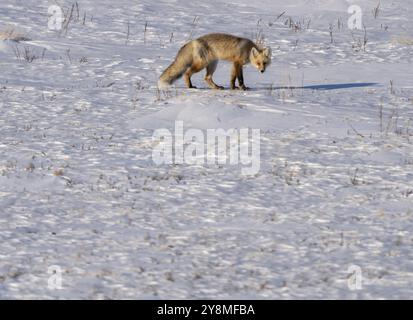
79, 189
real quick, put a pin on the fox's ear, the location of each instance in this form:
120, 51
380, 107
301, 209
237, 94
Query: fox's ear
267, 52
254, 52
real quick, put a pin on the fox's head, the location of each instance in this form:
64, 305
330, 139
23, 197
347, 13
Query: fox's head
260, 59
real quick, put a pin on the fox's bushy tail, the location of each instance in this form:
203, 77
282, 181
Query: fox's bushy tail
182, 62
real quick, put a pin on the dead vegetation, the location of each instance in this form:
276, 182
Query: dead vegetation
360, 42
299, 25
12, 35
71, 15
376, 11
27, 54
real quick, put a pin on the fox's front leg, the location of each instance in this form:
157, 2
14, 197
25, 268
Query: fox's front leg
236, 73
241, 79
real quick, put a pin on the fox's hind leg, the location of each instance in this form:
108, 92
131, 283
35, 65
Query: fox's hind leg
191, 70
212, 66
187, 78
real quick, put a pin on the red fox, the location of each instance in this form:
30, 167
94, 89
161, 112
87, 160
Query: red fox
205, 52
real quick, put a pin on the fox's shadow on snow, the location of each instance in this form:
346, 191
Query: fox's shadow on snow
326, 87
335, 86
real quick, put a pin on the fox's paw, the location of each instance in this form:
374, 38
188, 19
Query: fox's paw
219, 88
243, 88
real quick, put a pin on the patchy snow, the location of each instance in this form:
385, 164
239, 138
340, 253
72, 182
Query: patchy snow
79, 189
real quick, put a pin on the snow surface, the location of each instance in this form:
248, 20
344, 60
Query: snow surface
79, 189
